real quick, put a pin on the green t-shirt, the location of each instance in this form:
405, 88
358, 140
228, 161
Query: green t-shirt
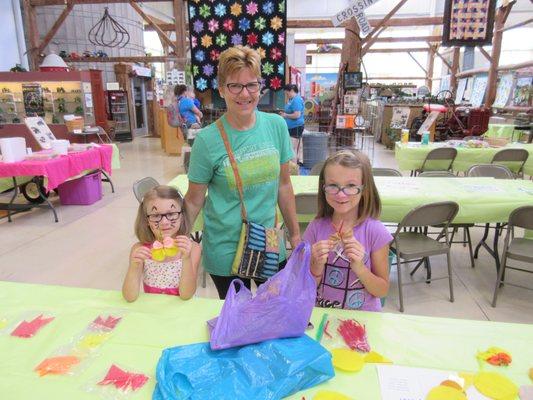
259, 152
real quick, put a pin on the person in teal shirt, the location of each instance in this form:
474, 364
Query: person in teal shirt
262, 149
294, 117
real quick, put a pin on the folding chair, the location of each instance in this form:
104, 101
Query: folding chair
142, 186
520, 249
386, 172
513, 157
444, 156
490, 171
317, 168
413, 245
437, 174
306, 204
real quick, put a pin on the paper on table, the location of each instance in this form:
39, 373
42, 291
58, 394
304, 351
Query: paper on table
406, 383
482, 188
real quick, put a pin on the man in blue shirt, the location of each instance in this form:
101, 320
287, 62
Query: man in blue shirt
294, 117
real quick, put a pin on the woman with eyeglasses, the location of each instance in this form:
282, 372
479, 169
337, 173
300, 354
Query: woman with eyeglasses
261, 148
350, 246
165, 259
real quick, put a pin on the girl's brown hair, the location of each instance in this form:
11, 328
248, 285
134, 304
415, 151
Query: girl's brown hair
235, 59
142, 228
370, 204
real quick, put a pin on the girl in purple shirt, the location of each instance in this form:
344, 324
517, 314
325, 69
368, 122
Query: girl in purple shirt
350, 246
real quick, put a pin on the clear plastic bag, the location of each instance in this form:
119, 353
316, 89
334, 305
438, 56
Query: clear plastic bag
117, 383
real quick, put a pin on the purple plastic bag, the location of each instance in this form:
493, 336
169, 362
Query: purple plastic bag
281, 308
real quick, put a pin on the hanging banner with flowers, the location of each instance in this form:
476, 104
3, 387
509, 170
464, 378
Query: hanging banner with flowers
215, 25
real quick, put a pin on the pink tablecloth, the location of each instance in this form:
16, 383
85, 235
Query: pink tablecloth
60, 169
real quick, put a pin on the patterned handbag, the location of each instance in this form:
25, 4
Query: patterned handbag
257, 255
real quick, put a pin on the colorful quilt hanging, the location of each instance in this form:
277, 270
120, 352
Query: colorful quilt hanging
215, 25
468, 22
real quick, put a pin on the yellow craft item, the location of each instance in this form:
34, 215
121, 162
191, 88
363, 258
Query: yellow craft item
495, 356
347, 360
445, 393
495, 386
163, 249
452, 384
3, 323
92, 340
375, 357
531, 374
330, 395
469, 379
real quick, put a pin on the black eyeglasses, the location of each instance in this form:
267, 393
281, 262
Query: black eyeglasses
237, 88
171, 216
348, 190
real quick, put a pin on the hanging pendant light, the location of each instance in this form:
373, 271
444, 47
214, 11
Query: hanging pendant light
108, 32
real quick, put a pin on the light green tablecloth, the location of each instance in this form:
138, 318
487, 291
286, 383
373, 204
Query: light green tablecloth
411, 156
480, 199
502, 131
7, 183
156, 322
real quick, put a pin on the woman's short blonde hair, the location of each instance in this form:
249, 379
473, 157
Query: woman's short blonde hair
235, 59
142, 227
370, 204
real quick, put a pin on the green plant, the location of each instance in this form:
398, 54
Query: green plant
78, 111
18, 68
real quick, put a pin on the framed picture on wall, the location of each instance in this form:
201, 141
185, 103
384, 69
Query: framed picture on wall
353, 80
468, 23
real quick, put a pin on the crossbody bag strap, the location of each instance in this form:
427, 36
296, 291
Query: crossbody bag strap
238, 180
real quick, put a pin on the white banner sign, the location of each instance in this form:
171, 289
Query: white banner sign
355, 10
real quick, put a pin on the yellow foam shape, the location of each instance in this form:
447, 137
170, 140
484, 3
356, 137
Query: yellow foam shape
330, 395
92, 340
468, 377
495, 386
158, 254
375, 357
347, 360
531, 374
3, 323
171, 251
445, 393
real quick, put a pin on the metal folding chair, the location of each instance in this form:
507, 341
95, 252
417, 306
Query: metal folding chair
520, 249
410, 246
444, 156
386, 172
512, 157
142, 186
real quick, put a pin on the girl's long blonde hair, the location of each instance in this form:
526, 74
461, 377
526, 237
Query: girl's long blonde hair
142, 227
370, 204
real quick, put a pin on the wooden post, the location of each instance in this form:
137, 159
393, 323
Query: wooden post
181, 35
351, 47
429, 67
454, 70
33, 35
499, 21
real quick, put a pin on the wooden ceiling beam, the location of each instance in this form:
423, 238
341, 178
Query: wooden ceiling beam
163, 36
132, 59
39, 3
372, 36
326, 23
378, 40
408, 50
53, 30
